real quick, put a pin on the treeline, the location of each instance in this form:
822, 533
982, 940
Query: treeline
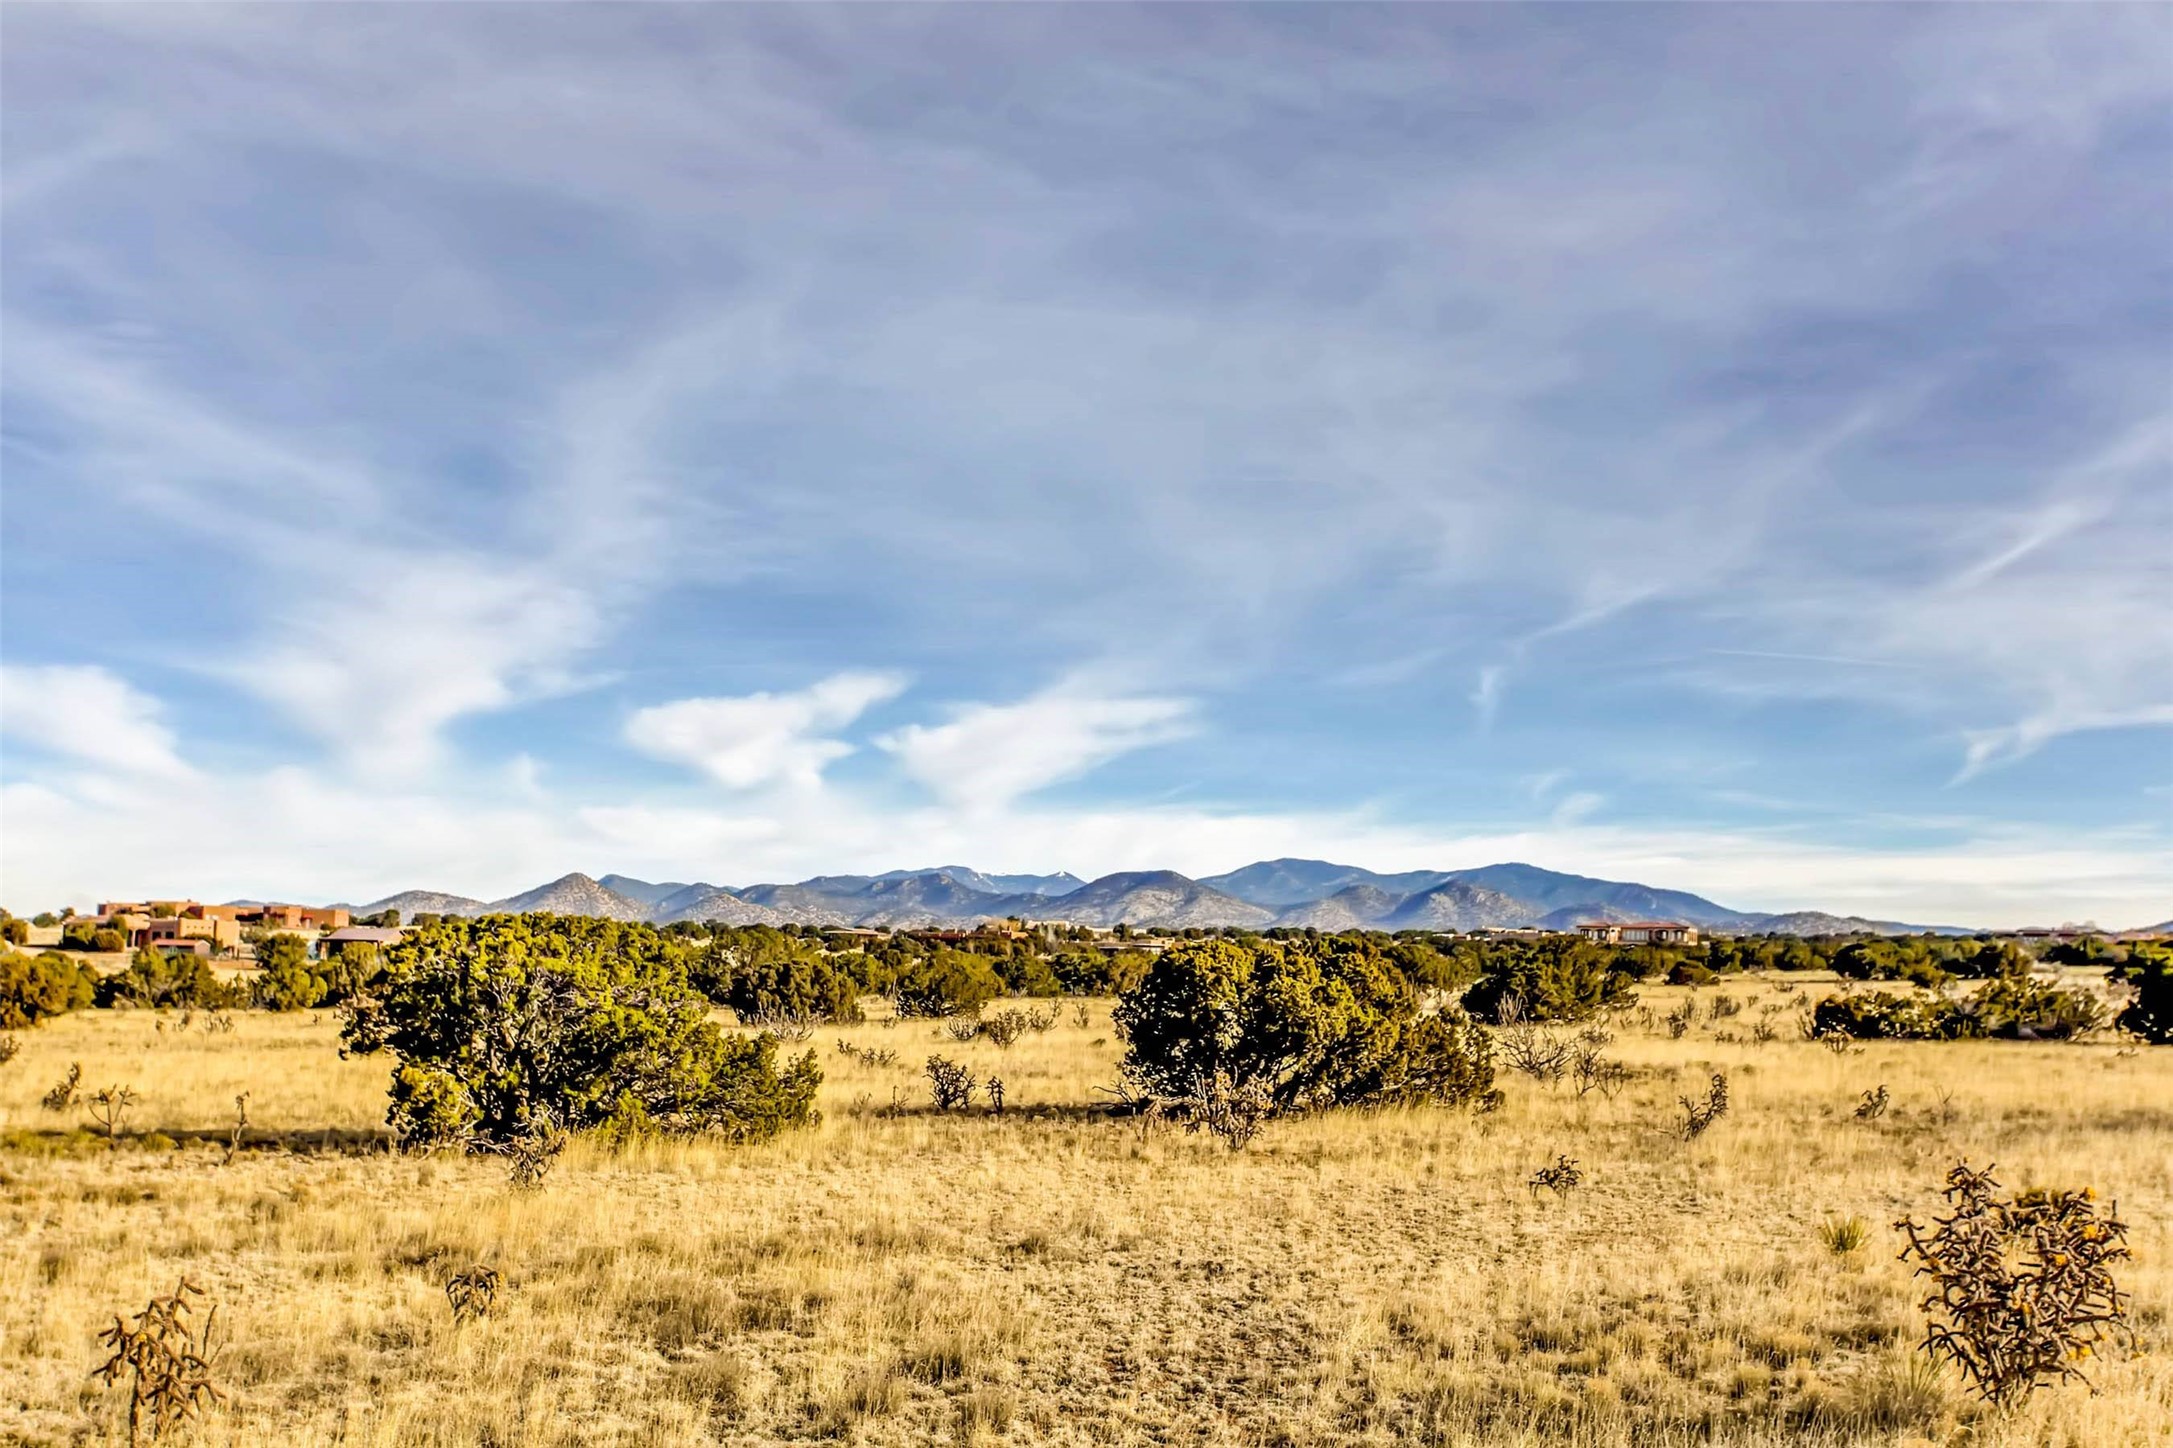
508, 1032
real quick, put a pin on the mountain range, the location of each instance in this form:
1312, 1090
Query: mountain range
1270, 892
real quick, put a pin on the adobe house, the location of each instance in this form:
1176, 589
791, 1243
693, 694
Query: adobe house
1639, 932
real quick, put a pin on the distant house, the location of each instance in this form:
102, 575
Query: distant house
374, 935
1639, 932
159, 922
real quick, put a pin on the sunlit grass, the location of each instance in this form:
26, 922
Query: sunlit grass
1057, 1276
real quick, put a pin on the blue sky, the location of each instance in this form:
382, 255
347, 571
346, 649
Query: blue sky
1726, 447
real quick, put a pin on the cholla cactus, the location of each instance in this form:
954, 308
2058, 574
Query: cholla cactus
1700, 1115
2024, 1288
1562, 1178
472, 1292
167, 1361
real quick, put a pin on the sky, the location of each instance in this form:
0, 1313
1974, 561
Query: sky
1724, 447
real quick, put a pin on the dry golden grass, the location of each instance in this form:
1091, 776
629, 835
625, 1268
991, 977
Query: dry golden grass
1055, 1277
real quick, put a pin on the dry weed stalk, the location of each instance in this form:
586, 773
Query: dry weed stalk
241, 1124
167, 1360
1873, 1105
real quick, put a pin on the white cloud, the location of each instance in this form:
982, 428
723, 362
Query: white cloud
382, 655
88, 714
990, 754
762, 739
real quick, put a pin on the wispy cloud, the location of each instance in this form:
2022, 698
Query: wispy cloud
90, 716
988, 755
762, 739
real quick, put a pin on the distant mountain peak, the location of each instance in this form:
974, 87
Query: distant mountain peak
1287, 891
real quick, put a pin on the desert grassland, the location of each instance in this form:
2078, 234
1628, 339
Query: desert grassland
1052, 1276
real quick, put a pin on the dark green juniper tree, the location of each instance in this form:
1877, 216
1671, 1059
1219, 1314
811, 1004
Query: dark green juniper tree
508, 1022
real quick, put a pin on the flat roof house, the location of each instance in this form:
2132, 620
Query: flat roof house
1639, 932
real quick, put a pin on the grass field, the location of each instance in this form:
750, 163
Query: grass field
1054, 1275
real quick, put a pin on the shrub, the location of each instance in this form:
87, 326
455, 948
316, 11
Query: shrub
499, 1021
108, 941
2021, 1008
1685, 972
947, 983
1843, 1235
1539, 1054
2011, 1006
1429, 969
14, 931
801, 986
34, 987
950, 1085
1317, 1023
2150, 1014
1005, 1027
1100, 973
2023, 1286
159, 979
1555, 980
1883, 1016
1992, 960
286, 979
767, 976
1867, 960
1027, 975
